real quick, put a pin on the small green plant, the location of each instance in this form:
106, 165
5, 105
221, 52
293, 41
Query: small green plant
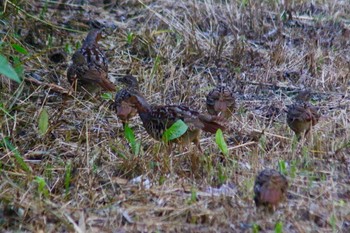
7, 70
256, 228
220, 141
42, 186
279, 227
176, 130
130, 38
221, 174
19, 49
282, 167
68, 177
107, 96
130, 137
293, 169
155, 66
19, 159
193, 197
43, 122
2, 108
333, 222
68, 48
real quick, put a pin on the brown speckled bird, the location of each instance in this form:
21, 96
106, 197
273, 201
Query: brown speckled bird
302, 115
125, 111
220, 101
89, 68
270, 189
156, 119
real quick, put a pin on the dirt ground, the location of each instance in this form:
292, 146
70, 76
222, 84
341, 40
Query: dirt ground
81, 174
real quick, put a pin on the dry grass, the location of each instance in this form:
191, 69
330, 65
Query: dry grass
178, 50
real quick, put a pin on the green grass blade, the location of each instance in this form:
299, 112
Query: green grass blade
19, 159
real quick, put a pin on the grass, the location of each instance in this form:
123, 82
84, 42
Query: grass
68, 164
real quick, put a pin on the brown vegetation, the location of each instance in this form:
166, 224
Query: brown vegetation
82, 174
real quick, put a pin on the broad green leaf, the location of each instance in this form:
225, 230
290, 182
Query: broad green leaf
19, 49
220, 141
19, 159
175, 131
43, 121
279, 227
107, 96
7, 70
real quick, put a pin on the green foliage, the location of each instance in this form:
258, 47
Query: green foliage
130, 137
107, 96
68, 176
42, 187
333, 222
18, 66
293, 169
283, 16
7, 70
130, 37
155, 66
220, 141
43, 122
175, 131
193, 197
19, 49
19, 159
2, 108
256, 228
68, 48
279, 227
221, 174
282, 167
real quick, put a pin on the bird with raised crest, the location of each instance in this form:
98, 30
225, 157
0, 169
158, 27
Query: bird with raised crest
270, 189
89, 68
157, 119
221, 101
302, 115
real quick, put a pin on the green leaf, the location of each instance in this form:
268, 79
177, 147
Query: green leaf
43, 121
282, 167
220, 141
107, 96
256, 228
7, 70
19, 49
130, 37
175, 131
279, 227
19, 159
68, 48
130, 137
